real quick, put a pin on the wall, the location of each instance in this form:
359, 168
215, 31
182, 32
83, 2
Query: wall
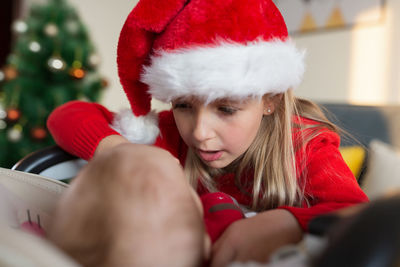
359, 65
105, 19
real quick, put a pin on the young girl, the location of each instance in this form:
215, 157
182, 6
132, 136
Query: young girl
228, 68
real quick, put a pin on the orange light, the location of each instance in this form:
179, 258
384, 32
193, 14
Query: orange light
10, 73
78, 73
104, 83
13, 114
39, 133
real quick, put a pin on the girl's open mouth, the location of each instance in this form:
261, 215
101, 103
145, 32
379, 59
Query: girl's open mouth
209, 155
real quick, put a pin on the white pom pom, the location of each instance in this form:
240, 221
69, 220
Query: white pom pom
138, 130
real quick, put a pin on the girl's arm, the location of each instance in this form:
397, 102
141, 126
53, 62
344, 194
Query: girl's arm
330, 183
256, 238
78, 127
83, 129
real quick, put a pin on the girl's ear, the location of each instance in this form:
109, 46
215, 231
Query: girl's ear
271, 102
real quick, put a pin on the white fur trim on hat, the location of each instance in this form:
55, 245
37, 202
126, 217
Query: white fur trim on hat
138, 130
225, 70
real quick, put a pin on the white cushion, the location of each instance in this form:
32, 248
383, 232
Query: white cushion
383, 170
33, 198
23, 191
18, 248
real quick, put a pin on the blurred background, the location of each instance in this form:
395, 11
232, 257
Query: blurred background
356, 64
352, 46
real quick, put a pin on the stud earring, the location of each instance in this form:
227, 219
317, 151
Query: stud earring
268, 110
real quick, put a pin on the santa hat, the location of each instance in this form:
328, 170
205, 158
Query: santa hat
205, 48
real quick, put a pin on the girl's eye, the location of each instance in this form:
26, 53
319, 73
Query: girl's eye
227, 110
181, 105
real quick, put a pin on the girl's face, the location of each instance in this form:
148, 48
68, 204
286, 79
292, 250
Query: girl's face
221, 131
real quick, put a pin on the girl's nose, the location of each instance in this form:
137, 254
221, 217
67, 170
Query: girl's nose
203, 127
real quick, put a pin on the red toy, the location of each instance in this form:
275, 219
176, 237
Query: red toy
220, 210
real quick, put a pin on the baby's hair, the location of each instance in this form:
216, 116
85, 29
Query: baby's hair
271, 156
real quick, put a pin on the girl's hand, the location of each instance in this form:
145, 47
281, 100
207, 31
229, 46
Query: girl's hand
112, 141
255, 238
109, 142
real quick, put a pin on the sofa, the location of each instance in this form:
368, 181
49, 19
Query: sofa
370, 148
373, 144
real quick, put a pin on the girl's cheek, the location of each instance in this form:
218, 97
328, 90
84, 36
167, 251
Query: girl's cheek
234, 137
186, 133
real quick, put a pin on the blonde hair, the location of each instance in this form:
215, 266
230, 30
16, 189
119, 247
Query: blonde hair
271, 156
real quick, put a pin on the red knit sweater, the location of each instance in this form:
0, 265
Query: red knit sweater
78, 127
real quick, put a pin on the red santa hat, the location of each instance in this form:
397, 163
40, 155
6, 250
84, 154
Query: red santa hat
204, 48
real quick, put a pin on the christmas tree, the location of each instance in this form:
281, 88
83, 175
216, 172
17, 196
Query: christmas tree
52, 62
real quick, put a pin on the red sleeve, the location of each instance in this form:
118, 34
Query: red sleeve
79, 126
329, 183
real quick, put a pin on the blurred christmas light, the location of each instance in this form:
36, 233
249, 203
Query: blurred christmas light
34, 46
38, 133
3, 125
15, 133
77, 64
13, 114
104, 83
72, 26
94, 60
51, 30
56, 64
10, 72
3, 114
20, 27
77, 73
